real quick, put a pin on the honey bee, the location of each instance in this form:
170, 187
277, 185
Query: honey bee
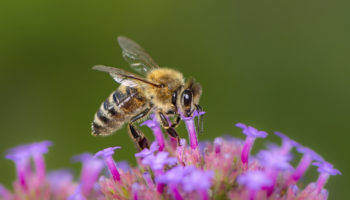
162, 91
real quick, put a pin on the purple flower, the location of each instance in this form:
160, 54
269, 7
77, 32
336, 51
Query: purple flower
123, 165
37, 150
181, 171
198, 180
147, 177
4, 193
59, 179
287, 143
106, 154
325, 169
191, 129
251, 133
157, 131
274, 159
217, 144
307, 151
175, 175
157, 162
254, 181
189, 178
90, 171
308, 157
274, 162
173, 178
21, 156
77, 195
202, 146
146, 152
135, 188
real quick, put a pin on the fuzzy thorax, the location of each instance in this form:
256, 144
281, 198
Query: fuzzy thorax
171, 80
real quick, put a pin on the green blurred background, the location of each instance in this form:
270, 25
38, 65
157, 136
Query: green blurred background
276, 65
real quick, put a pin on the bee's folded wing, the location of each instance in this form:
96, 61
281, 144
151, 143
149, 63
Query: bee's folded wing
124, 77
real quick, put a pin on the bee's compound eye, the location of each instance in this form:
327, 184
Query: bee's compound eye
187, 98
174, 97
170, 112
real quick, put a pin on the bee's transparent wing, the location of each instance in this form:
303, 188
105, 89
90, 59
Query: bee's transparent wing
124, 77
136, 56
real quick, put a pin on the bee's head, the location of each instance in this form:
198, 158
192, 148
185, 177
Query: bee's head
186, 98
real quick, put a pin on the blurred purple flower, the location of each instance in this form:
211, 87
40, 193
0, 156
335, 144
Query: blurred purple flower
123, 165
135, 189
189, 178
146, 152
217, 144
254, 181
274, 160
198, 180
251, 133
5, 193
325, 169
21, 156
287, 143
59, 179
175, 175
106, 154
308, 156
158, 161
90, 171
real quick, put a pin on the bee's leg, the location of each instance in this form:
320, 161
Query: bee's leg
177, 121
136, 135
169, 129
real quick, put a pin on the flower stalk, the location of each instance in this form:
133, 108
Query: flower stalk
106, 154
191, 128
251, 133
325, 169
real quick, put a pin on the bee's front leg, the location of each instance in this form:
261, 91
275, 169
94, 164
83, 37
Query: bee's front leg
177, 121
136, 135
169, 129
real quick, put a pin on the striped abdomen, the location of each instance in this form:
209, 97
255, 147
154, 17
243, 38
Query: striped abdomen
118, 108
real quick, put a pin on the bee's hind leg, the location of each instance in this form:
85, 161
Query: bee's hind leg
169, 129
136, 135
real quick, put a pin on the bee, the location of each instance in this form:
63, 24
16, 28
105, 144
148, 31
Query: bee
162, 91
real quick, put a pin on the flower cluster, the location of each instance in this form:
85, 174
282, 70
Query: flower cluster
223, 169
